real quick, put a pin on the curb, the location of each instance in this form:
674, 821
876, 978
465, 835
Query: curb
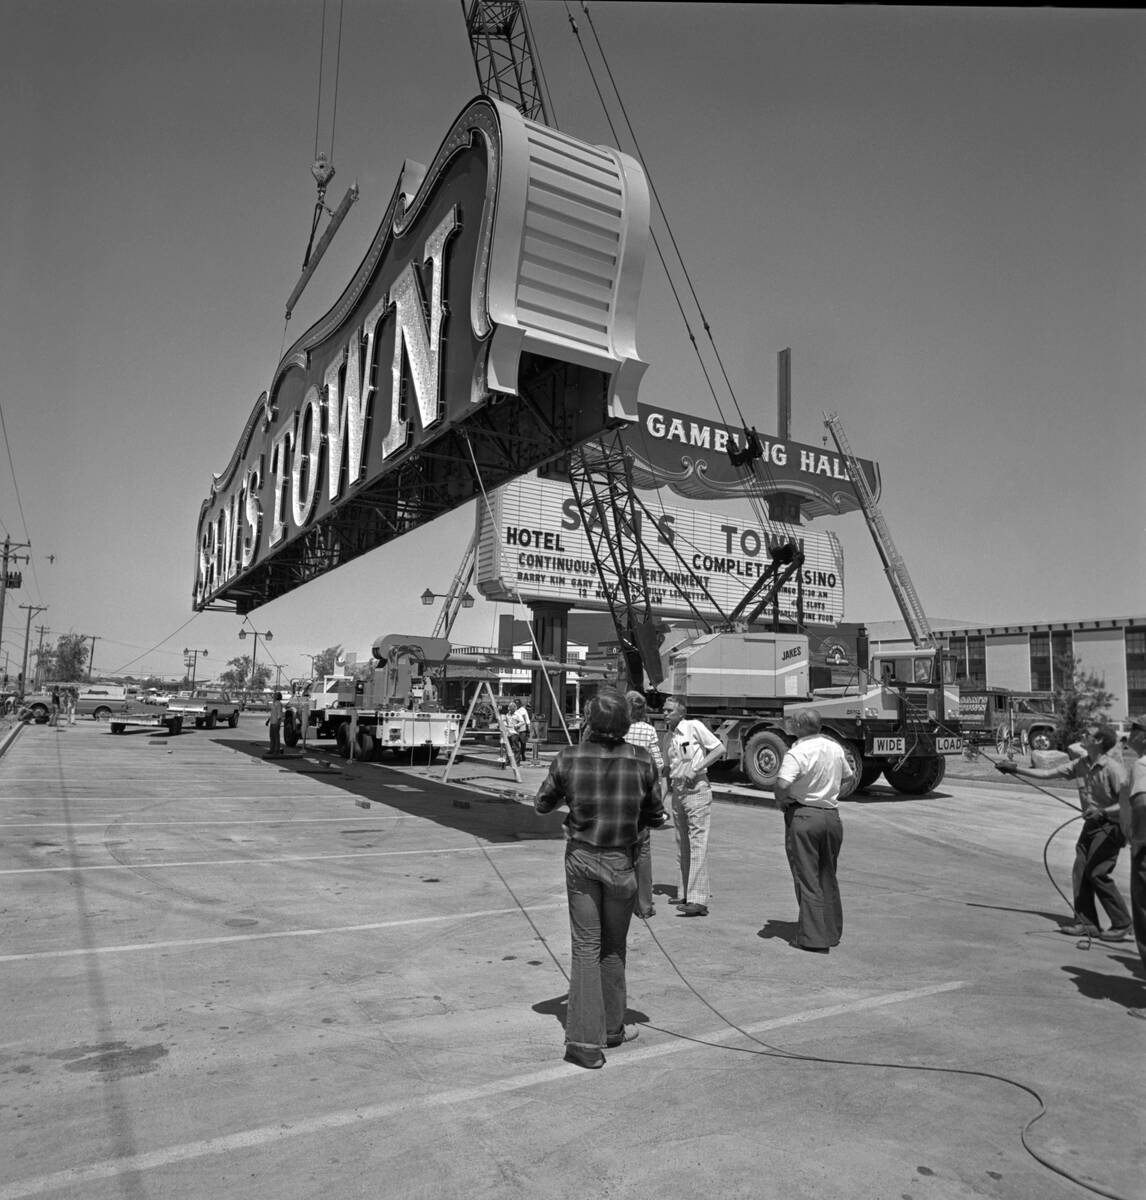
9, 736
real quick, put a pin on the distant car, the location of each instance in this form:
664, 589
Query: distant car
206, 708
101, 700
37, 705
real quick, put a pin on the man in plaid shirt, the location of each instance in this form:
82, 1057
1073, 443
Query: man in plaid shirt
612, 792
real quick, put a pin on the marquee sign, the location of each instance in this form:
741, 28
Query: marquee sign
490, 326
690, 455
532, 546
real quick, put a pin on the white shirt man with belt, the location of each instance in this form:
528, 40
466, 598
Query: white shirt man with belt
812, 776
692, 749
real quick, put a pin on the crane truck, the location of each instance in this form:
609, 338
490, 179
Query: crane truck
394, 709
894, 720
898, 717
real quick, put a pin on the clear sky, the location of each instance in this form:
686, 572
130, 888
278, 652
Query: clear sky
941, 212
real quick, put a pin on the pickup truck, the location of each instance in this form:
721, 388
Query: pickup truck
206, 708
140, 715
1014, 721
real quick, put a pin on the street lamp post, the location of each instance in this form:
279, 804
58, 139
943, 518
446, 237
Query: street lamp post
255, 653
428, 598
190, 660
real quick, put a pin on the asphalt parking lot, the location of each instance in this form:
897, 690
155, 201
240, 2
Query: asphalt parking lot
225, 975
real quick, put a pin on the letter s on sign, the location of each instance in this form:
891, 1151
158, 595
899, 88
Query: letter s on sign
572, 517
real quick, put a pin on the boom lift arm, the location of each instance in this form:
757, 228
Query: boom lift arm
894, 567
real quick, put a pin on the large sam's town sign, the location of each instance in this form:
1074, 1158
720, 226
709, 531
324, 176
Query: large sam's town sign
490, 327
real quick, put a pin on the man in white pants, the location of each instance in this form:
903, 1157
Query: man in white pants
692, 749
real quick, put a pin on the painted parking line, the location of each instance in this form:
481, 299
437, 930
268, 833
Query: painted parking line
348, 819
249, 862
268, 1134
228, 939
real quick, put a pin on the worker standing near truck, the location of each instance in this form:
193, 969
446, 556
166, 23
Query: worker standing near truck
275, 724
812, 775
641, 733
1100, 778
692, 749
519, 723
1132, 806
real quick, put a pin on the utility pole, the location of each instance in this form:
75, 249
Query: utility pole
41, 630
93, 654
16, 578
32, 610
191, 660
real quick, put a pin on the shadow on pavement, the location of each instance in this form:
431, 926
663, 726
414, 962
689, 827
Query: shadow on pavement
784, 930
1059, 918
494, 818
559, 1007
1129, 992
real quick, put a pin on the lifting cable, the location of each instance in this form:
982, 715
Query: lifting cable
754, 495
322, 169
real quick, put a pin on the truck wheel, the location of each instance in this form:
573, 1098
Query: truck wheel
342, 740
762, 757
855, 760
1041, 739
916, 776
872, 767
102, 713
290, 729
365, 747
39, 713
116, 727
175, 726
233, 719
212, 719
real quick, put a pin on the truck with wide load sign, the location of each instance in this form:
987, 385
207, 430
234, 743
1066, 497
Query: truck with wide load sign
394, 708
206, 708
898, 719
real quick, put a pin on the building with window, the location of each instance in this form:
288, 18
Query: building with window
1031, 658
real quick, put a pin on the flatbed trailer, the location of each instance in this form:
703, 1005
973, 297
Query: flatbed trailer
161, 719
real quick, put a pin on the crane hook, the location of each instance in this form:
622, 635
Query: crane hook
323, 171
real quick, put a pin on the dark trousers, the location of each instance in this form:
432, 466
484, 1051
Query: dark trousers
1138, 896
643, 856
812, 840
276, 740
1095, 854
600, 885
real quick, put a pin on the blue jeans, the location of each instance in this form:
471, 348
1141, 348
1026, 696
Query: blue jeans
643, 862
601, 885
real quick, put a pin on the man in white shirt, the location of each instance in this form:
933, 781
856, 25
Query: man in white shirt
692, 749
519, 730
812, 775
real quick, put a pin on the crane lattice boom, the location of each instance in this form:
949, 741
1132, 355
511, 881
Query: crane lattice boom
894, 567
